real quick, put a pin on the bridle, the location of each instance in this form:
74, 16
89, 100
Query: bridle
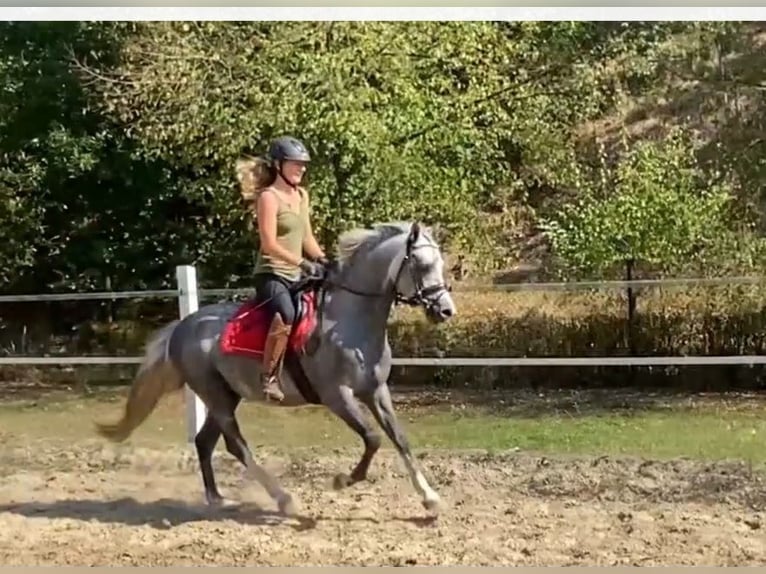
426, 297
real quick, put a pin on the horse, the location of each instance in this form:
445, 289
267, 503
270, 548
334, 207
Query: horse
340, 355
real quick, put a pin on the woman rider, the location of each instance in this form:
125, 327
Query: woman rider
271, 186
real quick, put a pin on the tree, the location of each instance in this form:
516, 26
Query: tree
405, 119
657, 208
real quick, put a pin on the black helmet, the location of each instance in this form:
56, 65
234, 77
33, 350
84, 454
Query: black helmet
288, 148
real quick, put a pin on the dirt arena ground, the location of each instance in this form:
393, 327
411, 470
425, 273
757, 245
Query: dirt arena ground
91, 504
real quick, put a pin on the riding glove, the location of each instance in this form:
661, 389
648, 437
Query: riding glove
331, 265
313, 269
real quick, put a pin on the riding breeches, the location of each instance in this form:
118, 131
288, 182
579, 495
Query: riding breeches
274, 292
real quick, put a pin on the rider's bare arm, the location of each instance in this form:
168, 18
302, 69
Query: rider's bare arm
310, 244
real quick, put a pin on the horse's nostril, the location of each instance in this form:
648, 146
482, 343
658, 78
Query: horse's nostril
447, 312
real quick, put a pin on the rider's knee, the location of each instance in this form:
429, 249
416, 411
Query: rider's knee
287, 312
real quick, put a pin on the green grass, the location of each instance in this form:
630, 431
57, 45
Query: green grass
655, 435
706, 432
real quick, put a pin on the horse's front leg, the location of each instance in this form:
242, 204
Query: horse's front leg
379, 402
344, 405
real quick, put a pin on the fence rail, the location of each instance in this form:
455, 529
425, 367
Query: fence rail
188, 294
459, 287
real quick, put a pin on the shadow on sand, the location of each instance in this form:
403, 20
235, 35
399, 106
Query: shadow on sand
167, 513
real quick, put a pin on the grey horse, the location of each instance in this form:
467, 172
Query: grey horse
347, 357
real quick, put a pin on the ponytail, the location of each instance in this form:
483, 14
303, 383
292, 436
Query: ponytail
253, 174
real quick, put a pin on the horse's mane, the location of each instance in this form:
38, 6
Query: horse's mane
361, 240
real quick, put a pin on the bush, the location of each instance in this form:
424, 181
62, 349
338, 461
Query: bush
727, 320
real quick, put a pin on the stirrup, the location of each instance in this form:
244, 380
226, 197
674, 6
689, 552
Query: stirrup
271, 389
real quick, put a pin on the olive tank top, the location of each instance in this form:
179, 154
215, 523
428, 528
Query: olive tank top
291, 230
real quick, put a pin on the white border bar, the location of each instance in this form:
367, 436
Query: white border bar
140, 10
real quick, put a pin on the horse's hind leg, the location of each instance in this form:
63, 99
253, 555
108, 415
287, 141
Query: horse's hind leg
205, 441
236, 445
379, 402
219, 399
344, 405
221, 402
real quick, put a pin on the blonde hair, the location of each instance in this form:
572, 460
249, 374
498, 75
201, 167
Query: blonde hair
253, 174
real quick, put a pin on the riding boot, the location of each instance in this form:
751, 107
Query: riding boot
273, 353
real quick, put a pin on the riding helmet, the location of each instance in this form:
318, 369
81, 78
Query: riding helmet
288, 148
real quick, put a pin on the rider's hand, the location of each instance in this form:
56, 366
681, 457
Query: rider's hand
312, 269
328, 264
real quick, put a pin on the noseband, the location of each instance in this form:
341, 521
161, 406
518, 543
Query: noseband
425, 296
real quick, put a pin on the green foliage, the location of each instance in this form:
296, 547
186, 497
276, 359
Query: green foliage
655, 207
410, 119
118, 142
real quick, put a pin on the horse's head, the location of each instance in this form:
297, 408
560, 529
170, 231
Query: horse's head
397, 260
420, 278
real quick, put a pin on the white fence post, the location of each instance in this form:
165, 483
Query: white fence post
186, 277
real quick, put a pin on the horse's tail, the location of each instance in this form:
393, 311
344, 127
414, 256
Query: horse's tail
156, 377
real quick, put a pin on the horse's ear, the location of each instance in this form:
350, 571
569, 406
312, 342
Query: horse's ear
413, 236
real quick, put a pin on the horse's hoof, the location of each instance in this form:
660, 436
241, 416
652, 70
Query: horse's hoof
221, 502
341, 481
287, 505
432, 505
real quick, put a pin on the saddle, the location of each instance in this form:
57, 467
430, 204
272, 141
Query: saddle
245, 333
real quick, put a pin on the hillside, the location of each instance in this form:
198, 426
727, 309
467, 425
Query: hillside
708, 81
